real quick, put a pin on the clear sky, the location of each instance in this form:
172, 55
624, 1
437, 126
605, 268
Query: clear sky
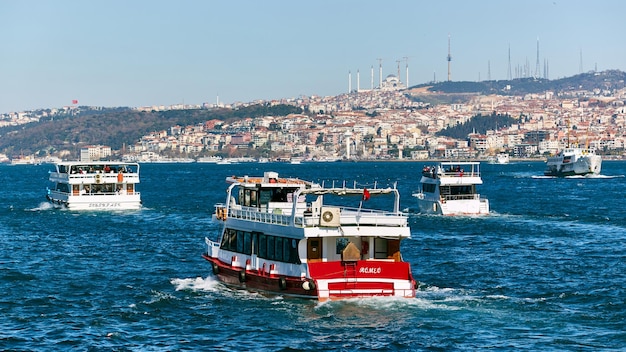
153, 52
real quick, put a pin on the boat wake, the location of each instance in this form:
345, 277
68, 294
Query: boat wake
580, 176
209, 284
42, 207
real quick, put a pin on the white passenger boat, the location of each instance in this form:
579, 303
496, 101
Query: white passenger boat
95, 185
574, 162
449, 188
502, 158
279, 236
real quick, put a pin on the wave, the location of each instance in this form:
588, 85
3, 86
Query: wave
43, 206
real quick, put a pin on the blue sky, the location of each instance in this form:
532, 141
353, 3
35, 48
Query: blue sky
152, 52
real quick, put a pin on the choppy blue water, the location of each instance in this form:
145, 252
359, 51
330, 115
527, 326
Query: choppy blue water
546, 271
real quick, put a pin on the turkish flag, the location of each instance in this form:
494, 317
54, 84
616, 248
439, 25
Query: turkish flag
366, 194
74, 101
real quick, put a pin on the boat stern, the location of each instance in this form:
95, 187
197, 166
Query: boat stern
363, 278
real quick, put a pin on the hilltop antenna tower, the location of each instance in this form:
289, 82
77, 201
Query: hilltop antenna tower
537, 69
580, 66
358, 81
509, 76
449, 59
488, 70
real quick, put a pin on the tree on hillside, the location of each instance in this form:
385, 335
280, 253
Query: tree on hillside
478, 124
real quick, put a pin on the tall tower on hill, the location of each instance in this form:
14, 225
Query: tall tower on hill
509, 76
449, 60
537, 69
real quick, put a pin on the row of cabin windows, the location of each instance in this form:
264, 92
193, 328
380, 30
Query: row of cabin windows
252, 197
270, 247
449, 190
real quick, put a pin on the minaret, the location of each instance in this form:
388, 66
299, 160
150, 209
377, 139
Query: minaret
407, 71
358, 81
349, 82
449, 60
380, 73
372, 78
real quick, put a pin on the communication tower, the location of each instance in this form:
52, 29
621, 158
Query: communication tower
449, 59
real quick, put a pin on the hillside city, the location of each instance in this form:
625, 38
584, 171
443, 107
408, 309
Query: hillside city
389, 122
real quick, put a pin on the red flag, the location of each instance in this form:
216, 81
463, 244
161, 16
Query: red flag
74, 101
366, 194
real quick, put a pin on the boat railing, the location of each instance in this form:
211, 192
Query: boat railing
93, 177
434, 173
93, 194
213, 248
348, 216
461, 196
460, 173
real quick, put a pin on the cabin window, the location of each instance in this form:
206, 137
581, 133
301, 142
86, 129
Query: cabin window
247, 243
278, 254
229, 240
265, 196
262, 246
240, 241
232, 240
341, 244
429, 188
380, 248
286, 250
270, 247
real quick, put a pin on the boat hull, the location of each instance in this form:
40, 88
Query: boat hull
328, 280
456, 207
101, 202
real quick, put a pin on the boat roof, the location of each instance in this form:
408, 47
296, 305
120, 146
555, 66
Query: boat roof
270, 179
72, 163
458, 163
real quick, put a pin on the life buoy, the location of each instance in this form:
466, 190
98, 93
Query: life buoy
242, 276
282, 283
327, 216
216, 268
308, 285
220, 213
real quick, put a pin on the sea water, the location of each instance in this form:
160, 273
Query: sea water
544, 271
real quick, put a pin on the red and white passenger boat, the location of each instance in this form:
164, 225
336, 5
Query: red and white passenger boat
283, 236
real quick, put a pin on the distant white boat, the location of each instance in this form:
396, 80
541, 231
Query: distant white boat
95, 185
574, 162
209, 159
449, 188
502, 158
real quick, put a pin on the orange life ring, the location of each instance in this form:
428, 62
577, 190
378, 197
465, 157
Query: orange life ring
220, 213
